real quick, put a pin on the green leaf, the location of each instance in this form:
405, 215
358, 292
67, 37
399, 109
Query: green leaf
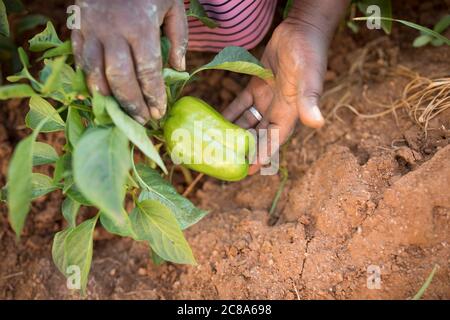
58, 250
78, 249
74, 126
385, 8
196, 10
165, 48
155, 223
43, 153
19, 184
16, 91
63, 49
62, 167
41, 109
112, 227
65, 75
442, 24
413, 25
74, 247
172, 76
239, 60
30, 22
73, 191
427, 283
20, 187
421, 41
100, 167
41, 185
437, 42
157, 260
24, 73
45, 40
53, 80
4, 24
79, 83
99, 109
157, 188
23, 58
69, 210
134, 131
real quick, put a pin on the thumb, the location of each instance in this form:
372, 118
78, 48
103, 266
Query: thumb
310, 89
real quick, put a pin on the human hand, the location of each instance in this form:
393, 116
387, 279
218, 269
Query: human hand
297, 55
118, 47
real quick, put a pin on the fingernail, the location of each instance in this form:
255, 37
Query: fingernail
140, 119
312, 116
315, 113
155, 113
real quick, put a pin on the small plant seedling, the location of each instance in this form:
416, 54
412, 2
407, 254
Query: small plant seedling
439, 27
426, 31
426, 284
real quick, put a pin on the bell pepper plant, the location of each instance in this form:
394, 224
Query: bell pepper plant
98, 166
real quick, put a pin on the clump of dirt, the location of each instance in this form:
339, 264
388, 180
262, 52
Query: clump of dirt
362, 194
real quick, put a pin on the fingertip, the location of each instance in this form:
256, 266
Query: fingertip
183, 63
178, 62
156, 113
310, 115
155, 98
140, 119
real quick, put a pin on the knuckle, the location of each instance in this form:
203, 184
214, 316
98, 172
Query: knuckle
312, 94
148, 73
117, 74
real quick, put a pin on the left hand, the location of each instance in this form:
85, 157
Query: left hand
297, 55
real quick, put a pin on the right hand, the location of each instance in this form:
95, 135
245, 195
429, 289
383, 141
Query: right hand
118, 46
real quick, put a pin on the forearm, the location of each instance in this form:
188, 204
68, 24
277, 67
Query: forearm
317, 15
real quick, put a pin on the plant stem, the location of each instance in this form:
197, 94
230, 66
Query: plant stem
284, 178
192, 185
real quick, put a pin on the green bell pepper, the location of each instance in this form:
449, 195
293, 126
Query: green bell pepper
201, 139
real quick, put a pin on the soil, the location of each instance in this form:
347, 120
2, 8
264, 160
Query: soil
361, 194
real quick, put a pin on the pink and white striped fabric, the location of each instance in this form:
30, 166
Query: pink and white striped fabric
242, 23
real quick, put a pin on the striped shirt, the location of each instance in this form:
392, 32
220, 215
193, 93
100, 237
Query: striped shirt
242, 23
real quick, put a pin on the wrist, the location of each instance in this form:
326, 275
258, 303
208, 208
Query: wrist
314, 16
